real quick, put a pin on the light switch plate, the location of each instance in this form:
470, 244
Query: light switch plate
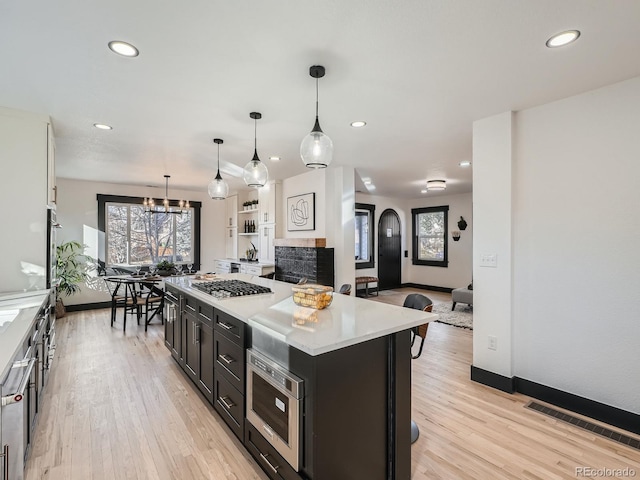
489, 260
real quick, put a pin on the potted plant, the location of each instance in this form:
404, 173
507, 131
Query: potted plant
72, 267
165, 268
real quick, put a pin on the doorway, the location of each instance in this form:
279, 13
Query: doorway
389, 250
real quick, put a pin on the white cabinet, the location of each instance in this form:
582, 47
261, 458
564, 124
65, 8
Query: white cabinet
269, 202
231, 205
222, 266
52, 189
258, 270
25, 172
231, 243
266, 252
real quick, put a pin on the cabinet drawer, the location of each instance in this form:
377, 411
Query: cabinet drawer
229, 403
191, 305
271, 462
230, 327
229, 359
252, 270
205, 313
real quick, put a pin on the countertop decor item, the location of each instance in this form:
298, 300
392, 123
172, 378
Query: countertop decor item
255, 172
316, 149
166, 268
218, 188
72, 267
462, 224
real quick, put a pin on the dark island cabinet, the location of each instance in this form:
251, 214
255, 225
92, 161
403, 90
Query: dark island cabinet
229, 370
197, 345
173, 323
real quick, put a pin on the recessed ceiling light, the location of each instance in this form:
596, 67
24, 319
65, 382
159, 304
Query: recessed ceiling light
424, 190
123, 48
465, 163
358, 124
367, 182
563, 38
275, 159
102, 126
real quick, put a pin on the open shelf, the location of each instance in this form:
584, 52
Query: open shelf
248, 211
247, 234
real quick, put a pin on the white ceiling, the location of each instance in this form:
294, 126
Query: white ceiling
419, 72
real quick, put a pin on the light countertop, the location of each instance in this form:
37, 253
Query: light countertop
17, 312
347, 321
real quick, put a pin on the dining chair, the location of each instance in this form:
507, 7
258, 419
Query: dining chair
302, 281
123, 296
424, 303
345, 289
150, 301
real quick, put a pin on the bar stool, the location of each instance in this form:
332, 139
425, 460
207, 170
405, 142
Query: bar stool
418, 302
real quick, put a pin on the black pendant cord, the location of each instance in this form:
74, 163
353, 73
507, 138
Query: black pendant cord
316, 126
255, 141
218, 176
317, 99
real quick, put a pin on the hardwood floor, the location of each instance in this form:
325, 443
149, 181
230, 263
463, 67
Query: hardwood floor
117, 406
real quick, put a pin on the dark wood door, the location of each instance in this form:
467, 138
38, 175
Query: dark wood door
389, 250
191, 349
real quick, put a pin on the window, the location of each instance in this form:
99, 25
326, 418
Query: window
364, 227
133, 237
430, 236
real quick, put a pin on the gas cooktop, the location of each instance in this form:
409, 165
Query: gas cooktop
230, 288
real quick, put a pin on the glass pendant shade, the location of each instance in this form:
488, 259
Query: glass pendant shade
255, 173
218, 188
316, 149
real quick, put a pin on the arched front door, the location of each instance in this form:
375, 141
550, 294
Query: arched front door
389, 250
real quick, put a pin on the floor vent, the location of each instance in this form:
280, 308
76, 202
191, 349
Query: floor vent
592, 427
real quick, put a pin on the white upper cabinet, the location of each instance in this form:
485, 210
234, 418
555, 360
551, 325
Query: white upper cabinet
231, 204
52, 189
268, 202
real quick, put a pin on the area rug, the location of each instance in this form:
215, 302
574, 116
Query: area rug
461, 317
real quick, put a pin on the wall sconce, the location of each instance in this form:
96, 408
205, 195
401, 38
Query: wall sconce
456, 235
462, 224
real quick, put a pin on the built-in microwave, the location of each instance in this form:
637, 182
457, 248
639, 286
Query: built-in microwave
274, 405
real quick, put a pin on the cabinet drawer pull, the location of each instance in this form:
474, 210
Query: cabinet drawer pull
226, 326
204, 316
190, 307
227, 404
273, 467
227, 359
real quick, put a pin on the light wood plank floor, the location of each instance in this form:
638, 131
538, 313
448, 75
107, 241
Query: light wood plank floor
118, 407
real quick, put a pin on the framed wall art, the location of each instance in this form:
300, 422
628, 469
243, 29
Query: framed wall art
301, 212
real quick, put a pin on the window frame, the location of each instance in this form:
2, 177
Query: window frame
371, 213
103, 200
415, 213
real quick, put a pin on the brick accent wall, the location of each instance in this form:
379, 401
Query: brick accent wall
313, 263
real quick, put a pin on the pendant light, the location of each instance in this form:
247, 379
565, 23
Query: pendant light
149, 204
255, 172
218, 188
316, 149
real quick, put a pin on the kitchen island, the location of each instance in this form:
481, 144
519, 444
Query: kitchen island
349, 413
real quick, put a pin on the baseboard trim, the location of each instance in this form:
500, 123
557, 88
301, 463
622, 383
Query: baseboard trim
435, 288
589, 408
87, 306
491, 379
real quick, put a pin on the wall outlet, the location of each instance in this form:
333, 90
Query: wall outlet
493, 342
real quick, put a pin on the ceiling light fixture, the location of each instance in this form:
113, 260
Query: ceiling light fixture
102, 126
255, 172
358, 124
123, 48
316, 149
274, 159
563, 38
218, 188
150, 204
465, 163
436, 185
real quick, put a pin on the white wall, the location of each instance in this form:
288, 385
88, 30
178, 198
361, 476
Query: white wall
340, 189
78, 213
576, 245
458, 274
313, 181
492, 158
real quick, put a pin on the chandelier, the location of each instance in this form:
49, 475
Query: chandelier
149, 204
